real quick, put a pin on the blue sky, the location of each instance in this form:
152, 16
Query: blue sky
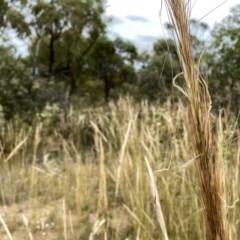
139, 20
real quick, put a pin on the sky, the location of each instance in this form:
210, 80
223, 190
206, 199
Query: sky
141, 21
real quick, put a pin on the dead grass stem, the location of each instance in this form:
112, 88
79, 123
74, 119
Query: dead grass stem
206, 142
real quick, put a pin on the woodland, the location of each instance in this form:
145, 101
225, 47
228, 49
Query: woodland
72, 60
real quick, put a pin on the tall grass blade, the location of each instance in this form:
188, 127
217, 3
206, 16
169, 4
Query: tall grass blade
157, 205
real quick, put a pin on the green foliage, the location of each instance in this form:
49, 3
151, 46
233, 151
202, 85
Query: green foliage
112, 62
11, 17
3, 10
16, 21
70, 53
17, 95
157, 73
20, 94
65, 35
61, 37
224, 59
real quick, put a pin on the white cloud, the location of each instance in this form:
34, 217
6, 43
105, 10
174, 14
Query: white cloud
210, 10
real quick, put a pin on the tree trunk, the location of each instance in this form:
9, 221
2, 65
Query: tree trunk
51, 57
73, 85
106, 89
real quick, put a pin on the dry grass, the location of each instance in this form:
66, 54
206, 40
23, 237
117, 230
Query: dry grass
86, 177
207, 142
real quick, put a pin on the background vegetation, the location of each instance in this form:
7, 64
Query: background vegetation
70, 56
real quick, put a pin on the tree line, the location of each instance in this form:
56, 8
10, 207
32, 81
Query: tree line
70, 56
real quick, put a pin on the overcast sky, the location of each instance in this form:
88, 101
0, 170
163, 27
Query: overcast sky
139, 20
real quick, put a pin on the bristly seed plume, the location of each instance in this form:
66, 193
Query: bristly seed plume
205, 141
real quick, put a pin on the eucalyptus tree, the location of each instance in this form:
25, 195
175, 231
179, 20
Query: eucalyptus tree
59, 34
66, 31
224, 60
158, 71
112, 62
12, 17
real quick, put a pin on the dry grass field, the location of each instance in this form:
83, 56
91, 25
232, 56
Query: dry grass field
126, 170
84, 175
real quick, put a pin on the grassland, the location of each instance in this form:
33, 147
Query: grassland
83, 174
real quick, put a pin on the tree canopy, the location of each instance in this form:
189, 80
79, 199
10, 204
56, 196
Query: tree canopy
71, 56
224, 59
